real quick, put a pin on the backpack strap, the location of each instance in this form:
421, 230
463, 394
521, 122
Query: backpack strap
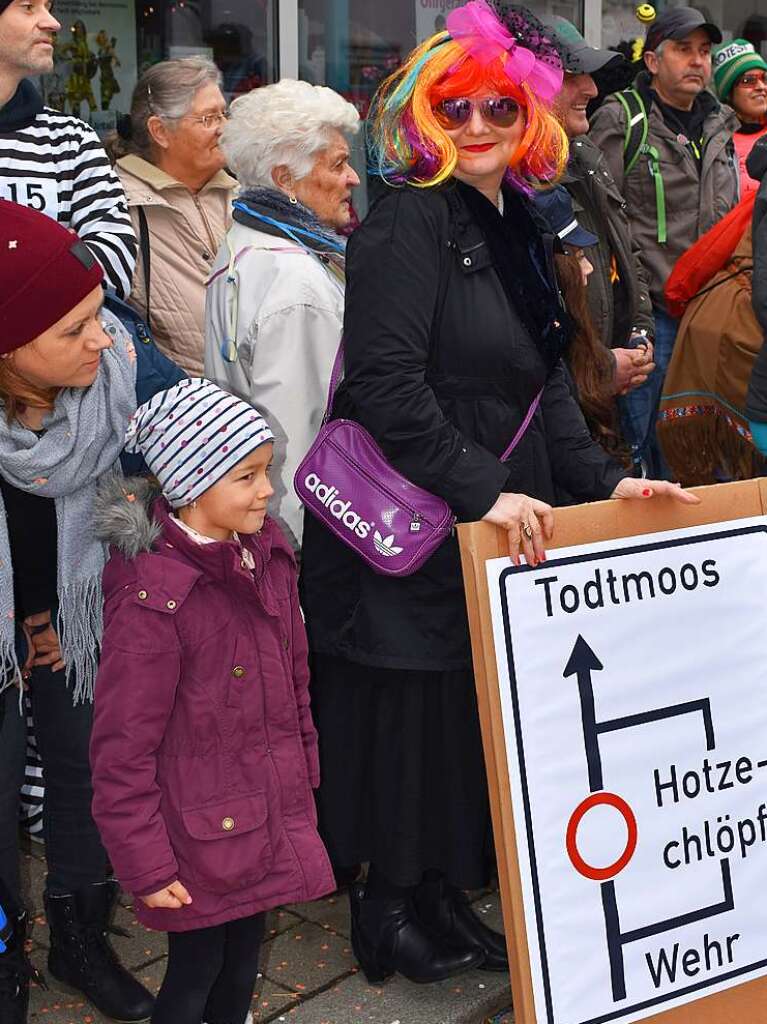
143, 235
637, 126
635, 145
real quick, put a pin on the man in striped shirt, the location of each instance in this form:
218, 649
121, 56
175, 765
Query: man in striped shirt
54, 162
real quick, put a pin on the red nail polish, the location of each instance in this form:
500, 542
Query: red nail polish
647, 492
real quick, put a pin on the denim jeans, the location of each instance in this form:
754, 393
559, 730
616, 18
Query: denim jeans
73, 849
639, 408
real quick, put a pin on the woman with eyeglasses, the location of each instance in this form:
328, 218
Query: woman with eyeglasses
172, 169
740, 79
454, 332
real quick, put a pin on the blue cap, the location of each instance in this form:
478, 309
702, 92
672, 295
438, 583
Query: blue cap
556, 207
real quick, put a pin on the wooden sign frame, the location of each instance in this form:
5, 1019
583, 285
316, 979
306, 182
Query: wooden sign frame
583, 524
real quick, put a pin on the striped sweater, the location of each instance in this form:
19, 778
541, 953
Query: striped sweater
55, 163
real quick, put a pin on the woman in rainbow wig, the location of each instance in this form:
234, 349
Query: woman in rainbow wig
453, 332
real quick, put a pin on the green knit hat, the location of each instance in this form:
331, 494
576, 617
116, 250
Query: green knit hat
730, 61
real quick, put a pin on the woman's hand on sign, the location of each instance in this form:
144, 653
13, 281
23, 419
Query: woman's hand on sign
171, 897
529, 523
633, 487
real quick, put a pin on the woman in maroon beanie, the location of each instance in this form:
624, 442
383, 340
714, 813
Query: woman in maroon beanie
70, 379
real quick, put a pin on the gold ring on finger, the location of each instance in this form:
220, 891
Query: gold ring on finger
527, 530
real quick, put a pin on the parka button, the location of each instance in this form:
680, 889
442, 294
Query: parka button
467, 261
227, 824
171, 605
142, 595
238, 671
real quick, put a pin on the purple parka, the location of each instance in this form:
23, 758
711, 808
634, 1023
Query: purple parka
203, 751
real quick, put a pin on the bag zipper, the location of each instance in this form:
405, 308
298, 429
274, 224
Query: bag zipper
414, 516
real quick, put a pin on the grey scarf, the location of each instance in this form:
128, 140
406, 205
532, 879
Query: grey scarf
83, 438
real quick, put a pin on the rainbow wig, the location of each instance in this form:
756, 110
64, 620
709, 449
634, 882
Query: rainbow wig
406, 144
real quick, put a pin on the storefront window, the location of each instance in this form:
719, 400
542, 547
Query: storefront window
104, 44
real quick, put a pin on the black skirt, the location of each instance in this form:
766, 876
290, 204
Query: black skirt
403, 774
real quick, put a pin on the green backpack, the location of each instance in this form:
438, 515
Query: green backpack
635, 145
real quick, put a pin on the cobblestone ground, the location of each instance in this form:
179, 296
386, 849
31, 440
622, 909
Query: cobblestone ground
309, 975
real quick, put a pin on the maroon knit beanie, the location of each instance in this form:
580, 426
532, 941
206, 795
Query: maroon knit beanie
45, 271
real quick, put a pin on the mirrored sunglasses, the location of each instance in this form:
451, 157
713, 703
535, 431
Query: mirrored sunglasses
500, 111
752, 79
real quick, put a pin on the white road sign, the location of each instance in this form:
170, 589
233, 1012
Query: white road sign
633, 679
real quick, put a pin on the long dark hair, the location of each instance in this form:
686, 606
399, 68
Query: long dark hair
589, 361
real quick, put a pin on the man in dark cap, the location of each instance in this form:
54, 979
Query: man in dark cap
668, 144
617, 290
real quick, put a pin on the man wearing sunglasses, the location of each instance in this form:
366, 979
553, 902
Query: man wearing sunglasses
617, 289
668, 144
740, 79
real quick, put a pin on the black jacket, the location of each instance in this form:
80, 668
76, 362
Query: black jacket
756, 164
618, 308
441, 370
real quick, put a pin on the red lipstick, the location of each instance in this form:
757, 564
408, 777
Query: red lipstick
479, 149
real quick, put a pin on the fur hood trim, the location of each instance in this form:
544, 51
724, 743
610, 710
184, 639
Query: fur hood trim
122, 513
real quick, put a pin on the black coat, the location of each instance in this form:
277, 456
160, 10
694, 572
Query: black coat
622, 308
441, 370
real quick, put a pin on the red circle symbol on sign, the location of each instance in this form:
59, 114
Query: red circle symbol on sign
611, 870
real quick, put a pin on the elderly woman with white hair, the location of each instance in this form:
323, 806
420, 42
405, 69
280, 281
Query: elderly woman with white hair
275, 302
179, 195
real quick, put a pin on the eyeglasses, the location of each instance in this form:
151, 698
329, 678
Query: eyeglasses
499, 111
751, 81
208, 121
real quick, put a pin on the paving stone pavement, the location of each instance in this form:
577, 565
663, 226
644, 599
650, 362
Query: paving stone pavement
309, 975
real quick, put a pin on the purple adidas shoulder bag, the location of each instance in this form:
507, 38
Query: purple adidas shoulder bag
346, 481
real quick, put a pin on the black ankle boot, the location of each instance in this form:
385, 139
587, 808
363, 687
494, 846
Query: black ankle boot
15, 973
386, 937
82, 959
446, 914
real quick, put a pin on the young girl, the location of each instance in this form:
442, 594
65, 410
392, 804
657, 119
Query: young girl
204, 753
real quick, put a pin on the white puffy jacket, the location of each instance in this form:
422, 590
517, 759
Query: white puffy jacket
285, 315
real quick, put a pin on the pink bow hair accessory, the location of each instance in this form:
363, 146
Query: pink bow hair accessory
477, 28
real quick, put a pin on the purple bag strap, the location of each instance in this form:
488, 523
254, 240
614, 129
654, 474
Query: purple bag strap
523, 426
335, 380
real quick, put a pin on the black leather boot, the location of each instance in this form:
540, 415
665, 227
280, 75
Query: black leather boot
446, 914
82, 959
386, 937
15, 973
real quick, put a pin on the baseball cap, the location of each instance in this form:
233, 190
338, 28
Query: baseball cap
556, 207
730, 61
579, 57
677, 23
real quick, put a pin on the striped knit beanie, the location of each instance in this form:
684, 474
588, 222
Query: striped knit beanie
730, 61
191, 436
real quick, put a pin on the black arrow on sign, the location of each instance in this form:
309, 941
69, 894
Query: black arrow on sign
582, 662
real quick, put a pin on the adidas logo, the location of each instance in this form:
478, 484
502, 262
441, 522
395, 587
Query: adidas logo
385, 545
341, 510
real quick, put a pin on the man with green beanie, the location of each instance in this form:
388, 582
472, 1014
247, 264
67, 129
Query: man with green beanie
740, 79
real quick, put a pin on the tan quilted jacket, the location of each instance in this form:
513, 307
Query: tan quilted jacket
185, 231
